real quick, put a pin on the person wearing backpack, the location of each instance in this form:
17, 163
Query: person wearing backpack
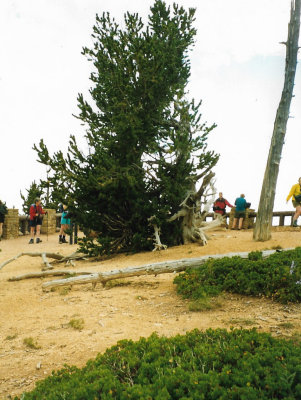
36, 213
219, 206
295, 193
3, 211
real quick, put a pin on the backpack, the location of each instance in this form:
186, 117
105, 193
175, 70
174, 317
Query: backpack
217, 208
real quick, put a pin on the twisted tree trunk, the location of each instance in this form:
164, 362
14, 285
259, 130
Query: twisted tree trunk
193, 224
262, 231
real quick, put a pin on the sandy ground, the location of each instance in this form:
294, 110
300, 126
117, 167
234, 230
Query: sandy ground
135, 307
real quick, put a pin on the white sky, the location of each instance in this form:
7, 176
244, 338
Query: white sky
237, 70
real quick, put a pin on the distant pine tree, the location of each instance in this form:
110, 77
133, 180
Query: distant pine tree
147, 146
33, 192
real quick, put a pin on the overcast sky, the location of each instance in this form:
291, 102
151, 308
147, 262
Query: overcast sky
237, 71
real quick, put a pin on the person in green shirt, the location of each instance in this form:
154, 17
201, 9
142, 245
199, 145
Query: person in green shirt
240, 211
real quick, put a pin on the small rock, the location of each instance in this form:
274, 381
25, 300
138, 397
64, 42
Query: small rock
262, 318
39, 365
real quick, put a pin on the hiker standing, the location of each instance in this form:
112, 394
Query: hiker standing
219, 206
65, 224
295, 193
3, 211
36, 213
240, 211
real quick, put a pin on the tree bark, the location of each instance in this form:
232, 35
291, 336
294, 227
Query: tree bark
262, 230
149, 269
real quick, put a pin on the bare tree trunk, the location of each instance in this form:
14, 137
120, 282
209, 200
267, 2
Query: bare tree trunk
149, 269
262, 230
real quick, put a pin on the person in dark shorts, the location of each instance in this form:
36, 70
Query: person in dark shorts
295, 191
3, 211
240, 211
36, 213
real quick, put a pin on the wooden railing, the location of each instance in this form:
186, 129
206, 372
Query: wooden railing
281, 214
285, 219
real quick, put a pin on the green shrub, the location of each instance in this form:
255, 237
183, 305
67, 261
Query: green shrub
255, 255
216, 364
117, 283
277, 276
205, 304
77, 324
11, 337
31, 343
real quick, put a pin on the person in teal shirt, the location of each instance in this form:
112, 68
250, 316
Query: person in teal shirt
65, 224
240, 211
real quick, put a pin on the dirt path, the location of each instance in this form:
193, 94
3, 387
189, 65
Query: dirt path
132, 308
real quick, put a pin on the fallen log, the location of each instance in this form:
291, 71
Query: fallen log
31, 275
148, 269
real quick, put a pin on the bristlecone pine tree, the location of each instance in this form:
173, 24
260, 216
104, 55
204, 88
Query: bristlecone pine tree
147, 146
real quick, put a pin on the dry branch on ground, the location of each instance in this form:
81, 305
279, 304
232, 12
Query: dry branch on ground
56, 256
46, 263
